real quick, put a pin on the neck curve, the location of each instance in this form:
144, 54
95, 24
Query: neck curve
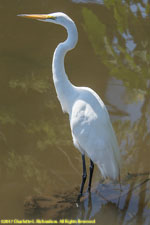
65, 90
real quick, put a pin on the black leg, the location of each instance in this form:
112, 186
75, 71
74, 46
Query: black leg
91, 174
84, 175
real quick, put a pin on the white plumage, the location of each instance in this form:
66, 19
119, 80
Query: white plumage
93, 133
90, 124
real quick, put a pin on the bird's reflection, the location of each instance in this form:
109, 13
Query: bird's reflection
85, 207
106, 201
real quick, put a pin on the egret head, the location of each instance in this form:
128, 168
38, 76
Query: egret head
61, 19
57, 18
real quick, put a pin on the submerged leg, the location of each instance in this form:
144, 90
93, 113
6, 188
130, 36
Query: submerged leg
84, 175
91, 174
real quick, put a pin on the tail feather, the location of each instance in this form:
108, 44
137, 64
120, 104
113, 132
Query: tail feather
109, 169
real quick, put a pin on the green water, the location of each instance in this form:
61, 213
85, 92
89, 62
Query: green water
37, 155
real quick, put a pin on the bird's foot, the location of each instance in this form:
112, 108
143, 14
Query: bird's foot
78, 199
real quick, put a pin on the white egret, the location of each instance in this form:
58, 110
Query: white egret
92, 131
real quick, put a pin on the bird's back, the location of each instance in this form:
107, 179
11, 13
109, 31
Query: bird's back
93, 133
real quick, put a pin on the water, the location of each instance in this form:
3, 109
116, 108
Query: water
39, 166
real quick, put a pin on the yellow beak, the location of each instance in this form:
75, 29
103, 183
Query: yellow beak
37, 16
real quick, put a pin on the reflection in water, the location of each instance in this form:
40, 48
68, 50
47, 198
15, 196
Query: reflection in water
104, 202
131, 67
133, 89
37, 156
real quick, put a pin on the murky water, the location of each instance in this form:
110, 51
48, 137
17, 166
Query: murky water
37, 155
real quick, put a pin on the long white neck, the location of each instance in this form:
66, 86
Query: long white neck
65, 90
